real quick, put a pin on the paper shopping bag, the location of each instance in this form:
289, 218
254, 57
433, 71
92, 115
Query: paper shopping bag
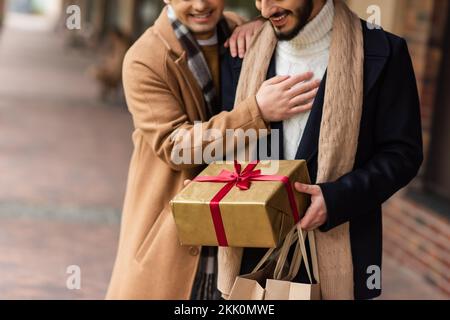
282, 288
251, 286
285, 290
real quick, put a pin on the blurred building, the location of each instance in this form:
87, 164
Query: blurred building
2, 11
417, 228
131, 16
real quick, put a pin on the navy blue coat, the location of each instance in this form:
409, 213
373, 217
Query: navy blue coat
389, 153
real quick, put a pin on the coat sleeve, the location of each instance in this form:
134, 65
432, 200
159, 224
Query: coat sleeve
161, 116
398, 147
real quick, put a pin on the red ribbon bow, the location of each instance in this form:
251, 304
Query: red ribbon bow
242, 179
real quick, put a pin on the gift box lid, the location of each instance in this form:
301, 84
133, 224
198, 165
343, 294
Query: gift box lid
261, 193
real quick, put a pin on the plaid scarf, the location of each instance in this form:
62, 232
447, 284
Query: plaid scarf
196, 60
205, 284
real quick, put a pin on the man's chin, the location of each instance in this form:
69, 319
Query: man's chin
202, 30
288, 34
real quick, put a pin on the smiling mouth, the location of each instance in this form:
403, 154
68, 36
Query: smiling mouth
201, 16
279, 18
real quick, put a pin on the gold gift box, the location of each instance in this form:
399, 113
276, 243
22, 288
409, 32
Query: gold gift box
256, 218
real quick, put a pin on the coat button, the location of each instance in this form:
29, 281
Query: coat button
194, 251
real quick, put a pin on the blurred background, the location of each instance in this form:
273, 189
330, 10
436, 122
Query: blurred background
65, 145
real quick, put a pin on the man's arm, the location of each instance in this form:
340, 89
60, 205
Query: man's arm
153, 100
163, 120
399, 154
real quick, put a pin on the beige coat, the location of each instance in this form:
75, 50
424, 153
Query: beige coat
162, 96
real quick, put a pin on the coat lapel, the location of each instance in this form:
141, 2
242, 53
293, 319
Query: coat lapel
376, 54
164, 30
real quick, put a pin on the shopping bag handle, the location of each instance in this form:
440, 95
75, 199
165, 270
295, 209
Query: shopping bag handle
297, 258
276, 252
295, 267
299, 255
315, 260
291, 239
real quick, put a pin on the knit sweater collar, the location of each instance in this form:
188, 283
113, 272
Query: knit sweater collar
316, 35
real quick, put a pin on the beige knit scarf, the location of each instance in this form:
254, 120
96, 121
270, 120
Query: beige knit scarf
338, 141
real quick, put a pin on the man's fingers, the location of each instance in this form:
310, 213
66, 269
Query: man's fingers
307, 220
233, 45
303, 98
305, 188
294, 80
227, 43
304, 88
312, 227
241, 46
301, 109
311, 220
316, 214
277, 79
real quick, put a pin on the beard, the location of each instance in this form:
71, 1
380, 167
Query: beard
302, 14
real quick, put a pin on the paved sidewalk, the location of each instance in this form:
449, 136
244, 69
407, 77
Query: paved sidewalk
35, 255
58, 144
63, 164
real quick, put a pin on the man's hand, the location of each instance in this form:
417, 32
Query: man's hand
242, 36
283, 97
317, 214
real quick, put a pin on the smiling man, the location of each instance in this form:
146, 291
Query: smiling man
173, 77
287, 24
362, 139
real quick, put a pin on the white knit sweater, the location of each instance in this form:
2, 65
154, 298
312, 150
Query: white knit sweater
309, 51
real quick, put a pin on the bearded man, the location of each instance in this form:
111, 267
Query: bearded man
362, 139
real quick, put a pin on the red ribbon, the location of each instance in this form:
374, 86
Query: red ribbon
243, 180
